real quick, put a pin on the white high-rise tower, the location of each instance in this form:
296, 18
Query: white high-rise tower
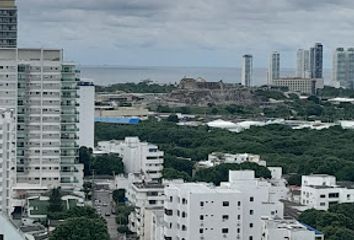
274, 67
43, 91
247, 70
303, 63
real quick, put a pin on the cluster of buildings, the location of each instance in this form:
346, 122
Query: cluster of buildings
245, 207
309, 70
309, 74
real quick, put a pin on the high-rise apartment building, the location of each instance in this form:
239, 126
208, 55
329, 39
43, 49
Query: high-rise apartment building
274, 67
343, 67
316, 61
8, 24
87, 114
43, 91
303, 63
231, 211
7, 159
247, 70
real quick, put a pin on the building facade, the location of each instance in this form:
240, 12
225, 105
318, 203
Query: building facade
302, 85
303, 63
274, 67
320, 191
8, 24
247, 70
43, 92
138, 157
146, 198
343, 67
87, 114
290, 229
7, 160
231, 211
316, 61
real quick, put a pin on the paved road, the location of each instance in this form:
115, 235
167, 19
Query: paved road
104, 207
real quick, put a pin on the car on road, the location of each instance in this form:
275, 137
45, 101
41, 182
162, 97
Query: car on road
105, 204
107, 214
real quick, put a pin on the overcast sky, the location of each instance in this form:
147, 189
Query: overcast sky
184, 32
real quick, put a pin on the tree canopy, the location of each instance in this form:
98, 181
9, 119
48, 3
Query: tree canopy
336, 224
81, 228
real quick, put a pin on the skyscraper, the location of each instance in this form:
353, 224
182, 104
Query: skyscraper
316, 61
247, 70
87, 114
43, 91
303, 63
8, 24
343, 67
274, 67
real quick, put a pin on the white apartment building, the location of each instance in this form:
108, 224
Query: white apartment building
320, 191
289, 229
303, 63
232, 211
343, 67
87, 114
138, 157
274, 67
302, 85
146, 198
247, 70
7, 160
217, 158
43, 91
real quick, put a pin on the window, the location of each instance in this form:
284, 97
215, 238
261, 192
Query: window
184, 214
251, 225
239, 203
225, 230
225, 204
201, 230
251, 199
202, 204
322, 204
168, 212
201, 217
238, 217
238, 230
322, 196
250, 238
251, 212
333, 195
171, 198
184, 228
225, 217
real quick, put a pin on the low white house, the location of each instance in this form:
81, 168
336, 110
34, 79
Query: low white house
289, 229
320, 191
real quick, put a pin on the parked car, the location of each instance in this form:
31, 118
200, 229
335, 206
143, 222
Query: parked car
107, 214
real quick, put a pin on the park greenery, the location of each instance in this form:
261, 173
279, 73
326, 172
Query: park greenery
298, 152
337, 223
141, 87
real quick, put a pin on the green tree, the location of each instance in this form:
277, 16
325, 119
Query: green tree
81, 228
107, 164
118, 195
55, 202
85, 157
173, 118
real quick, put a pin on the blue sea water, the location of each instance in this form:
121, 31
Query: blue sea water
106, 75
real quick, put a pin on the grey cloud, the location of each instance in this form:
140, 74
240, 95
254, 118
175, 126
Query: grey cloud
232, 25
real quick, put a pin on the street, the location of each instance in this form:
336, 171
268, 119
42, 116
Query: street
103, 205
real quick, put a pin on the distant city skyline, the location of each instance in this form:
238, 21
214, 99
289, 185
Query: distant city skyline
184, 33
